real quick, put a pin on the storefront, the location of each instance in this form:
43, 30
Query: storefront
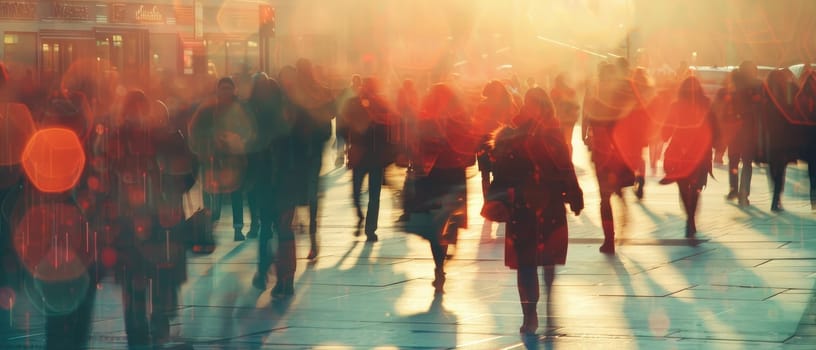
131, 39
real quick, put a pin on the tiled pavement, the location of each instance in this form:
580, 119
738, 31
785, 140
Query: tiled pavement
748, 284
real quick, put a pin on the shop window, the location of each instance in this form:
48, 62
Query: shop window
11, 39
188, 61
165, 54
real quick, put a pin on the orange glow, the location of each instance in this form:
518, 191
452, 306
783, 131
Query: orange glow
53, 160
17, 127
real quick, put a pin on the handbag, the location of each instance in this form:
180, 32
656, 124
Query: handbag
432, 224
497, 204
198, 230
418, 192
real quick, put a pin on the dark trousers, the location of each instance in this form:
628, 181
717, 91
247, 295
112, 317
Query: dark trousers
777, 166
375, 181
254, 203
213, 202
281, 222
689, 197
276, 218
73, 329
740, 181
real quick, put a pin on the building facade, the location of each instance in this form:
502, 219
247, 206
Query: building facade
133, 39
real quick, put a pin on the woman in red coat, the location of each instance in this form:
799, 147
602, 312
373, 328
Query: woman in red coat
687, 159
533, 166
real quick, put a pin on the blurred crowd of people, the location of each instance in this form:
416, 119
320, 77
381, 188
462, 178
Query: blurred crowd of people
117, 205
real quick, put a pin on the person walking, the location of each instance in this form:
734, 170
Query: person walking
612, 101
444, 145
219, 134
743, 148
534, 167
494, 111
367, 119
687, 161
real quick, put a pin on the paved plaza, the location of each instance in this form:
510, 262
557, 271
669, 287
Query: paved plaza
748, 283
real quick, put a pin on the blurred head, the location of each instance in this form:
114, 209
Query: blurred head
531, 82
749, 69
135, 106
260, 87
690, 89
356, 81
441, 101
780, 80
225, 90
537, 107
370, 86
494, 89
260, 76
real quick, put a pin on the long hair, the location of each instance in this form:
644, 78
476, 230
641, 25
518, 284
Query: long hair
539, 97
260, 88
441, 102
692, 91
135, 105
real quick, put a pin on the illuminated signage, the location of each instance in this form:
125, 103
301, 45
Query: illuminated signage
69, 10
151, 14
138, 13
18, 10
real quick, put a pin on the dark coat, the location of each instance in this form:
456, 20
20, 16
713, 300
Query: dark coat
748, 106
532, 162
779, 138
219, 136
367, 123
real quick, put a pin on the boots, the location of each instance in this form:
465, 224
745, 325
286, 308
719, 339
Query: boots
776, 202
284, 288
608, 246
530, 323
313, 242
439, 280
285, 269
640, 181
238, 236
253, 230
691, 228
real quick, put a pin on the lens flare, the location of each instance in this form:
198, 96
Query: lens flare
53, 160
55, 298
